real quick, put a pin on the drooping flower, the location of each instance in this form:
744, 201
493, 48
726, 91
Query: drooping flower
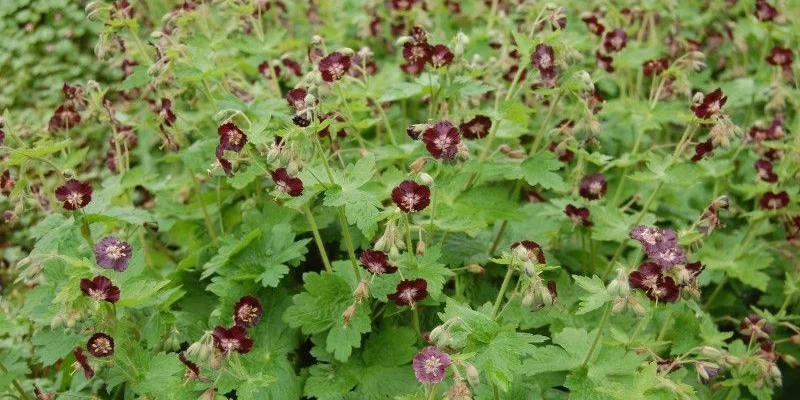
297, 98
334, 66
409, 292
650, 279
430, 365
442, 140
774, 201
192, 369
7, 183
655, 67
476, 128
292, 65
534, 251
247, 311
764, 171
578, 215
710, 105
286, 183
594, 25
605, 62
232, 339
781, 57
702, 149
543, 57
112, 253
100, 288
81, 362
64, 118
441, 56
755, 327
418, 51
100, 345
376, 262
410, 196
593, 186
615, 40
403, 5
764, 11
231, 137
165, 113
74, 194
706, 371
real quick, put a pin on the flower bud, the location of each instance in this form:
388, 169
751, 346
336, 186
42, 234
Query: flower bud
348, 314
527, 300
346, 51
403, 40
619, 305
475, 269
57, 321
462, 41
529, 268
418, 164
421, 248
209, 394
711, 352
362, 291
521, 253
425, 179
473, 377
317, 39
636, 306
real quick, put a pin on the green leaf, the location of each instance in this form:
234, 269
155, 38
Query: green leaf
400, 91
51, 346
538, 170
139, 77
597, 293
228, 250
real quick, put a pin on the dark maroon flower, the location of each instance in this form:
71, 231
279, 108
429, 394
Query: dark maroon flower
564, 155
453, 6
297, 98
690, 273
83, 363
410, 196
112, 253
292, 65
512, 73
774, 201
64, 118
413, 67
558, 20
764, 171
165, 113
231, 137
286, 183
476, 128
578, 215
593, 186
376, 262
655, 67
543, 57
127, 67
2, 134
7, 183
702, 149
232, 339
268, 70
442, 140
548, 77
781, 57
605, 62
755, 327
100, 345
409, 292
192, 370
40, 395
100, 288
441, 56
710, 105
534, 251
615, 40
247, 311
334, 66
649, 278
764, 11
667, 366
301, 119
594, 25
417, 52
74, 194
403, 5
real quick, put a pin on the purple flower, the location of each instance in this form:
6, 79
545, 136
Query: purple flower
615, 40
668, 257
64, 118
764, 11
411, 196
232, 339
112, 253
231, 137
710, 105
702, 149
764, 171
100, 345
441, 56
594, 25
376, 262
650, 279
74, 194
654, 238
7, 183
286, 183
192, 370
593, 187
409, 292
100, 288
543, 57
247, 311
781, 57
442, 140
417, 52
430, 365
655, 67
297, 98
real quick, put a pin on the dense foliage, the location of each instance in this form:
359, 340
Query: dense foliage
399, 199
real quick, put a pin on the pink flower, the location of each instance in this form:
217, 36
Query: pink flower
430, 365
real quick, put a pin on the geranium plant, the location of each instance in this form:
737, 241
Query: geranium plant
402, 199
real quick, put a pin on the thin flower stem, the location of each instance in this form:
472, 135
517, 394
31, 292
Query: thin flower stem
664, 327
386, 122
409, 243
603, 322
139, 44
543, 129
14, 383
317, 239
497, 238
348, 241
415, 320
622, 180
350, 115
87, 233
209, 223
503, 288
492, 15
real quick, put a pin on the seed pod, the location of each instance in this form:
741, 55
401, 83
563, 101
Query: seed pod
421, 248
475, 269
473, 377
619, 305
348, 314
418, 164
362, 291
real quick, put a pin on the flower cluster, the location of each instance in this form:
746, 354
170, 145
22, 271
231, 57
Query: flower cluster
417, 52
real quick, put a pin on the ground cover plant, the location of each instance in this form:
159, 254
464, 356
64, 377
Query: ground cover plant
399, 199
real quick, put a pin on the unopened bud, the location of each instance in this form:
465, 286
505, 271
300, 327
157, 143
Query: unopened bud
403, 40
57, 321
362, 291
711, 352
346, 51
215, 361
348, 314
317, 39
208, 394
363, 152
425, 179
418, 164
421, 248
473, 377
521, 253
619, 305
462, 41
527, 300
636, 306
475, 269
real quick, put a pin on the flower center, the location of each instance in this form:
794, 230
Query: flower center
229, 344
595, 187
97, 294
410, 200
442, 142
408, 294
248, 313
337, 70
432, 365
101, 346
114, 252
75, 198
